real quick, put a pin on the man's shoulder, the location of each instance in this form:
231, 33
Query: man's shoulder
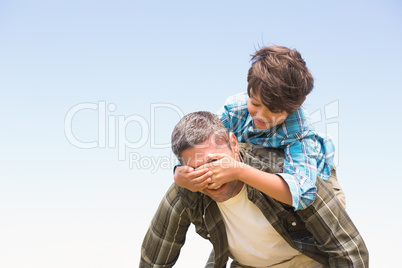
262, 158
177, 195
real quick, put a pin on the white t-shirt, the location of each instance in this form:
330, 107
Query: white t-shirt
252, 239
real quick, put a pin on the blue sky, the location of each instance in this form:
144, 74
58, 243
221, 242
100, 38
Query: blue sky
118, 75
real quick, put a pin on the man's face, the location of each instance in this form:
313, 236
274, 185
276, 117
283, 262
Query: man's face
200, 155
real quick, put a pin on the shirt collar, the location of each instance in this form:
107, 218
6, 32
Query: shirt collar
249, 121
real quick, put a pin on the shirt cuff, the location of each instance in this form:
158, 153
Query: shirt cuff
293, 187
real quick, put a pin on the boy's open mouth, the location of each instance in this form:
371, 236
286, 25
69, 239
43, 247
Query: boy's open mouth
260, 122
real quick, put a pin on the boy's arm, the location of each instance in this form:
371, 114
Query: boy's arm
228, 169
300, 171
294, 186
270, 184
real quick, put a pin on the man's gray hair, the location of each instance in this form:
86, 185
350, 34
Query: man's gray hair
195, 128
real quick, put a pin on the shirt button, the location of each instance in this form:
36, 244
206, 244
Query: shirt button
208, 235
294, 223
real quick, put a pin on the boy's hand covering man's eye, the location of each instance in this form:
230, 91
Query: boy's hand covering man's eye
193, 179
224, 168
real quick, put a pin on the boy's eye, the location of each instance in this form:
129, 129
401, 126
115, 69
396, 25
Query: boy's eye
255, 104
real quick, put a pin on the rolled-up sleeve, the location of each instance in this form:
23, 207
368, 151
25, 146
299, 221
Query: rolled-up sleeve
300, 171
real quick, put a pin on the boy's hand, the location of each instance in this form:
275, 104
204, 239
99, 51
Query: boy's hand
224, 168
193, 179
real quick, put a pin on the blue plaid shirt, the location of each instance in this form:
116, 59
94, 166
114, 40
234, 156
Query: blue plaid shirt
307, 153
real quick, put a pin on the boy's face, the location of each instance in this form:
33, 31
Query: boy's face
263, 118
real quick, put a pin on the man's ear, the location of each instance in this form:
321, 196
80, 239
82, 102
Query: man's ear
233, 142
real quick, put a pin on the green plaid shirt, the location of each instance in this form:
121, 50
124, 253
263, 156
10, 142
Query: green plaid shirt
323, 231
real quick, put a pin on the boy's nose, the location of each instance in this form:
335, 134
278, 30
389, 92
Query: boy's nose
260, 113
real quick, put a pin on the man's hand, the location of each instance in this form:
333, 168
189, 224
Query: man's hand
192, 179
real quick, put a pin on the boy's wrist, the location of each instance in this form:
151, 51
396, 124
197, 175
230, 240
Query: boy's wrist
240, 169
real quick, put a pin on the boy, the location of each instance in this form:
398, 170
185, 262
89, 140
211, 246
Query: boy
270, 115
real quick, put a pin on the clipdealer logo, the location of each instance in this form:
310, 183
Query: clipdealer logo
112, 133
327, 121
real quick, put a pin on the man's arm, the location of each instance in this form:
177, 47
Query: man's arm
166, 235
333, 230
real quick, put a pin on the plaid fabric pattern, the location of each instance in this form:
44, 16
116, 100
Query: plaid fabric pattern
323, 231
308, 154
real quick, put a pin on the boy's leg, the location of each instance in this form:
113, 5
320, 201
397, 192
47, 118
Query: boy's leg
339, 193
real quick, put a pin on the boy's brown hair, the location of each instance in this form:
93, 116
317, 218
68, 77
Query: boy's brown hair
280, 77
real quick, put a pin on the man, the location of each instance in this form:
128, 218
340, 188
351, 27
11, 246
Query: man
241, 222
